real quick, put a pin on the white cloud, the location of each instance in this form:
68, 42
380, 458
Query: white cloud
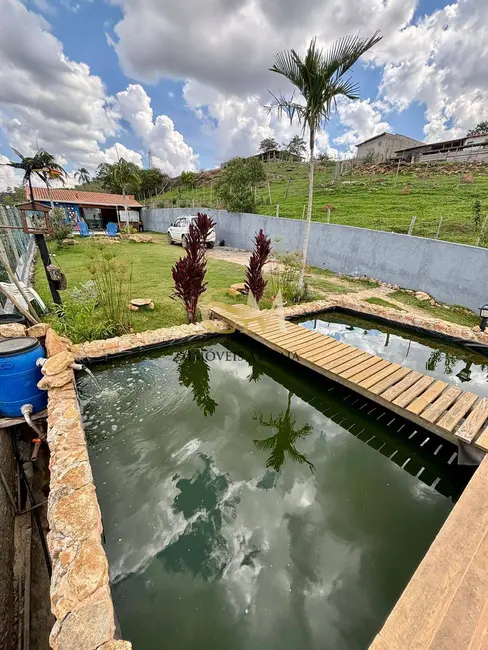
362, 119
170, 151
9, 177
46, 100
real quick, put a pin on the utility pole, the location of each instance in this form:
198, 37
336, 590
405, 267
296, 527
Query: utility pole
149, 158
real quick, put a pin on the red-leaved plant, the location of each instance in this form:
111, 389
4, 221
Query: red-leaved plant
189, 271
255, 282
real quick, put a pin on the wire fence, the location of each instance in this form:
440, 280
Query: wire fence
15, 245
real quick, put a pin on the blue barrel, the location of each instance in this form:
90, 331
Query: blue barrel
19, 376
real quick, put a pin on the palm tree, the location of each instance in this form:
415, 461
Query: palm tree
82, 176
320, 79
124, 174
283, 442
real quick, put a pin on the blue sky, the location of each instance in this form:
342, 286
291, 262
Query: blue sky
162, 76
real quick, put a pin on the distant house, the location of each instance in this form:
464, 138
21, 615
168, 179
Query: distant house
273, 155
96, 208
467, 149
384, 146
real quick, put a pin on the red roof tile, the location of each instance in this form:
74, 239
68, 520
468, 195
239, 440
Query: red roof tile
83, 198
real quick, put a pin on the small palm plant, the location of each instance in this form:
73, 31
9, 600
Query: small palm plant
320, 78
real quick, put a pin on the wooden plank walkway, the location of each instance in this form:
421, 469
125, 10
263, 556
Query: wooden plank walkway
441, 408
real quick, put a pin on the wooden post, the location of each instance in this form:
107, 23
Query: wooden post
482, 229
287, 188
303, 212
328, 215
412, 224
439, 228
269, 192
277, 209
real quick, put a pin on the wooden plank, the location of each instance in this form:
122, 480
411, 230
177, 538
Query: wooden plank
475, 420
369, 372
432, 393
352, 361
397, 389
322, 354
382, 374
297, 341
289, 335
10, 422
482, 440
437, 408
455, 414
372, 361
414, 391
338, 352
310, 345
319, 347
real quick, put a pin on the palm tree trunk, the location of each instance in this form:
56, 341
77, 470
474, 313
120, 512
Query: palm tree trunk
306, 238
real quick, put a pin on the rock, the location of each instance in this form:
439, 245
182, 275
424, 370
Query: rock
133, 308
240, 287
87, 628
467, 178
39, 330
432, 302
151, 305
116, 645
476, 328
68, 242
395, 287
54, 343
76, 514
142, 302
58, 363
89, 570
421, 295
12, 330
406, 190
55, 381
140, 239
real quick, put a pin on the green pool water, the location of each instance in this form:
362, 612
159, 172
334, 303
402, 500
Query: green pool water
432, 356
249, 504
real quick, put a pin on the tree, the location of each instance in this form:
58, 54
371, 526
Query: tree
194, 373
13, 195
126, 176
255, 282
235, 185
296, 146
62, 229
481, 127
188, 179
153, 181
323, 156
48, 170
282, 444
268, 144
82, 176
320, 78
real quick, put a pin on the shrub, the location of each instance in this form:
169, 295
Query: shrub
284, 278
79, 318
62, 229
112, 278
189, 271
255, 282
236, 184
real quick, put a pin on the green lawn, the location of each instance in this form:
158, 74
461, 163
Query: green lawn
455, 313
368, 201
383, 303
151, 277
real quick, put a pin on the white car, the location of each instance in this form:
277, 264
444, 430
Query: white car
178, 232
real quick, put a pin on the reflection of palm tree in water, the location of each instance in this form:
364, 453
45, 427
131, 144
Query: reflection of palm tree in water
194, 373
282, 444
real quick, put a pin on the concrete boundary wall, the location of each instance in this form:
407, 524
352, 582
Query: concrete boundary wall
451, 273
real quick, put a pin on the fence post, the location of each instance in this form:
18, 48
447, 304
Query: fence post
396, 175
277, 209
439, 228
482, 229
412, 224
328, 215
303, 211
287, 188
269, 192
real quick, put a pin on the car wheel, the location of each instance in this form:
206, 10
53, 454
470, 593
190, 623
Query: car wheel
184, 243
170, 239
210, 244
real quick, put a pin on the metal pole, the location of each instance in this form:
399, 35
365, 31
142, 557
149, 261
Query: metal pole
412, 224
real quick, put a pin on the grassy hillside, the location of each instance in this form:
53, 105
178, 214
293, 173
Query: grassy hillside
369, 197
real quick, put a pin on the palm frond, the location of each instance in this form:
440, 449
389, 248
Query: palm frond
266, 444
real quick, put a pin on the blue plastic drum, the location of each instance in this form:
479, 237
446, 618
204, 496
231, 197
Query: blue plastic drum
19, 376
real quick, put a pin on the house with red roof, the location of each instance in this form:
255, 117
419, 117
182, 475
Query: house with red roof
96, 208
